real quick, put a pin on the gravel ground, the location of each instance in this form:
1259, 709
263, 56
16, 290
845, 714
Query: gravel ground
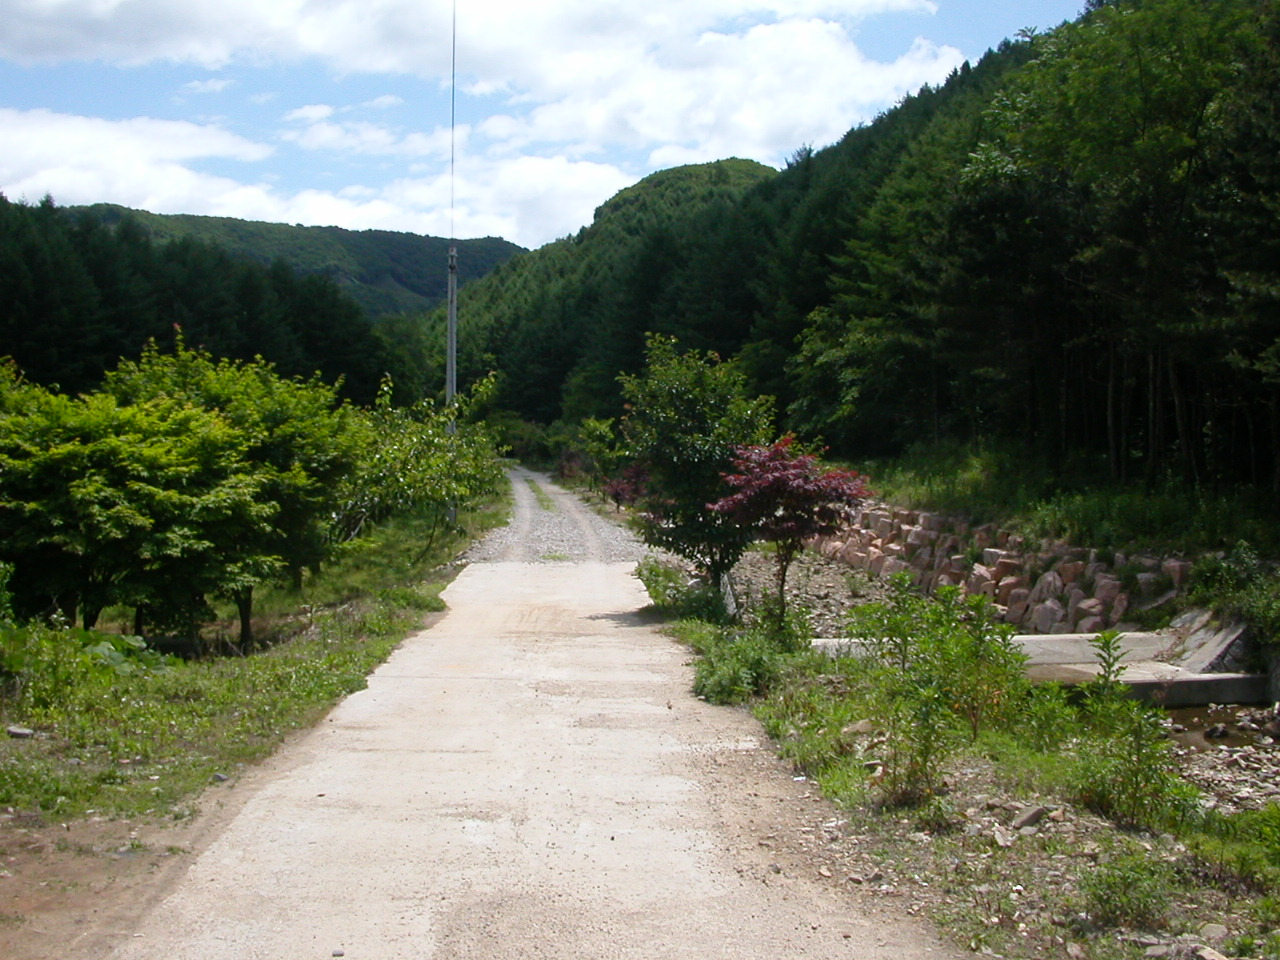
551, 525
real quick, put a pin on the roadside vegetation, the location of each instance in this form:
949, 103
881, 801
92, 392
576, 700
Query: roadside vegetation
931, 726
203, 555
954, 770
121, 730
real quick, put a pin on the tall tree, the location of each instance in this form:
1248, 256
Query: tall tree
689, 412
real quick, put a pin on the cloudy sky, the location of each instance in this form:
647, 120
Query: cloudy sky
338, 111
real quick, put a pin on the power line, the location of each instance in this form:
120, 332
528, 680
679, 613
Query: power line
451, 340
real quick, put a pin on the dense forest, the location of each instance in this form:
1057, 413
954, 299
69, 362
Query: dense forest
78, 294
1073, 245
384, 271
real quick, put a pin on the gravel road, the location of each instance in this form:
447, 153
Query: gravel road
528, 778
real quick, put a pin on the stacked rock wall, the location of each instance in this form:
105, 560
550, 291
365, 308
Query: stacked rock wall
1053, 588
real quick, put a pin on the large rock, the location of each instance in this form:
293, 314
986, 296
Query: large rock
1178, 571
1071, 570
1006, 586
1047, 615
1106, 588
1008, 567
893, 565
1049, 586
980, 581
1075, 597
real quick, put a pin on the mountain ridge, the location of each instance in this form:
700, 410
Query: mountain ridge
386, 271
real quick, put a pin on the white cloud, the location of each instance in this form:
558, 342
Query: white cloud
311, 113
384, 102
140, 162
502, 41
759, 94
371, 139
152, 165
585, 96
213, 85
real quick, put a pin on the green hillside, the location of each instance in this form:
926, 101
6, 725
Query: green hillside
384, 271
1071, 246
560, 322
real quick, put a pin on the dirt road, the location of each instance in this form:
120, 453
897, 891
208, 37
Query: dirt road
528, 778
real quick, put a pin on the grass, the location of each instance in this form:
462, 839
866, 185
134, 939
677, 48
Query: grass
1073, 502
1140, 855
145, 741
544, 498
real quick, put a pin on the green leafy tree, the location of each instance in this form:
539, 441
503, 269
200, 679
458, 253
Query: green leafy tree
1120, 110
600, 444
300, 443
418, 459
144, 504
689, 413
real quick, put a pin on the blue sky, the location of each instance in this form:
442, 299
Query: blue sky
337, 111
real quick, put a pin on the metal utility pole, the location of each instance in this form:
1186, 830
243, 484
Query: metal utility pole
451, 337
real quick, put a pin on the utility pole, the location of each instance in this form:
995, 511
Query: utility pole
451, 337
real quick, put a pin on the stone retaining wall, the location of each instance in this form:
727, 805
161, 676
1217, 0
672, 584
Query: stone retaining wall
1054, 588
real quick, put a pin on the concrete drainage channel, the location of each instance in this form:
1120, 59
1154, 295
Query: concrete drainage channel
1178, 667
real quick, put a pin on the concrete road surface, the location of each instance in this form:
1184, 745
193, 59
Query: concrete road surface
529, 778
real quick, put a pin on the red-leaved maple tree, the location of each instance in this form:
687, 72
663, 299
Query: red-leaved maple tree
788, 497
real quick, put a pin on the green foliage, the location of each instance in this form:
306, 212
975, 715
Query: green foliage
82, 293
300, 443
1243, 848
942, 664
689, 412
560, 323
1048, 717
1168, 518
143, 503
1127, 769
1238, 583
675, 595
417, 459
1070, 501
812, 715
744, 663
188, 478
603, 450
147, 738
6, 598
1128, 890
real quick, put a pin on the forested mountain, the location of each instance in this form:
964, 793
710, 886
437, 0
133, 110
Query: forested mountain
563, 321
1073, 244
77, 296
386, 272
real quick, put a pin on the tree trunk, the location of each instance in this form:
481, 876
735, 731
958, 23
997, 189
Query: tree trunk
244, 604
1190, 454
1113, 436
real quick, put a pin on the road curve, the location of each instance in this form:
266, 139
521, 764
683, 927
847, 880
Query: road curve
528, 778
